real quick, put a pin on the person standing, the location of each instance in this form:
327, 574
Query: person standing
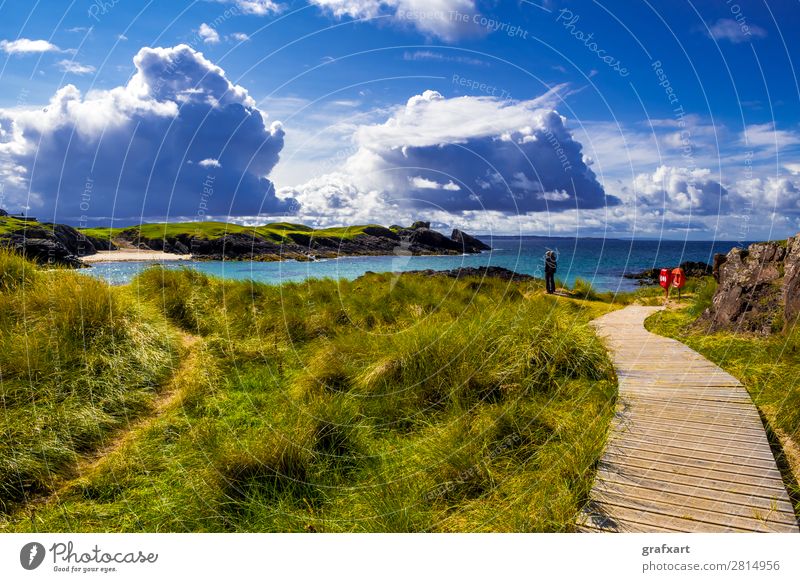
550, 266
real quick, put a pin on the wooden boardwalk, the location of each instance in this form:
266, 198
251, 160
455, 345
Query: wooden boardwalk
688, 451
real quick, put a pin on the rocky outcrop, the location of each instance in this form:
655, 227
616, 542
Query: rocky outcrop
758, 289
419, 239
46, 251
468, 243
428, 241
47, 243
690, 269
493, 272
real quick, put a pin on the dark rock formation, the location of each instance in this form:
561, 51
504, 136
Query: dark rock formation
46, 251
420, 224
759, 289
101, 244
428, 241
468, 243
719, 258
373, 240
494, 272
46, 243
690, 268
3, 212
381, 231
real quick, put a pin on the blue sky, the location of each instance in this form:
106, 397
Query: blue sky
655, 119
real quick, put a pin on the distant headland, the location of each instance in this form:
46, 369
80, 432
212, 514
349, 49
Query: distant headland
65, 245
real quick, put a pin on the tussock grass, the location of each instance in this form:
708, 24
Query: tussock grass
15, 272
383, 404
77, 360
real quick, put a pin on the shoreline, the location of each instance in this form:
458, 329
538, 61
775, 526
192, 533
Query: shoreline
133, 255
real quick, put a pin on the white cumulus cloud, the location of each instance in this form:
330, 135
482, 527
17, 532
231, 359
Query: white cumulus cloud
26, 45
769, 195
425, 184
134, 141
682, 191
449, 20
459, 155
75, 67
255, 7
210, 163
767, 135
208, 34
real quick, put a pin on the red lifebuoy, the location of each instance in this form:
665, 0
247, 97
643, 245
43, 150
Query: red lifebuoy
665, 278
678, 278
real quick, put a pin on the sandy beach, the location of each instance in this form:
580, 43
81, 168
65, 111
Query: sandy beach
124, 255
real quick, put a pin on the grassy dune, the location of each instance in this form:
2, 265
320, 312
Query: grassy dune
383, 404
77, 359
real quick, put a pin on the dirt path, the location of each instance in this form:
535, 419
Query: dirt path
169, 396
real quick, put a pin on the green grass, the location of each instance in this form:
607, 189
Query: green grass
78, 359
277, 232
381, 404
768, 366
11, 224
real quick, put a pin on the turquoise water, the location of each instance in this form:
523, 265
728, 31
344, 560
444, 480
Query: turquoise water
601, 261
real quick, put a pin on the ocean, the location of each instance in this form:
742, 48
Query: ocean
600, 261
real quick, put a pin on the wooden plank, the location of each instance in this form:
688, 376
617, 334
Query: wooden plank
632, 473
694, 412
708, 476
709, 464
684, 511
720, 506
629, 520
688, 450
695, 432
697, 411
597, 523
691, 491
756, 457
639, 416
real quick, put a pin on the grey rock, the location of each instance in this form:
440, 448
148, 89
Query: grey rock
46, 251
758, 289
468, 243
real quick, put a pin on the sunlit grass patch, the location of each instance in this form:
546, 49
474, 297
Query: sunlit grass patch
388, 403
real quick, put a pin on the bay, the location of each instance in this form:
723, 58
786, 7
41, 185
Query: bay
600, 261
